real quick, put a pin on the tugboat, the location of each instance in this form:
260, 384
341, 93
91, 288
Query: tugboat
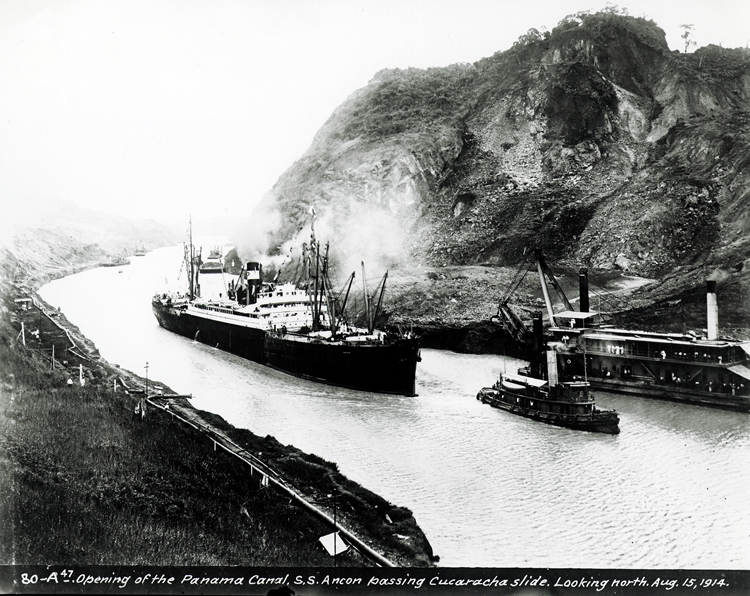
303, 332
537, 393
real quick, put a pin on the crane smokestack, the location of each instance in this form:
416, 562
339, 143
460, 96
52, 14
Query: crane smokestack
583, 284
713, 310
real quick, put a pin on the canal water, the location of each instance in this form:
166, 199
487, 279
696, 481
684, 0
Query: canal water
489, 489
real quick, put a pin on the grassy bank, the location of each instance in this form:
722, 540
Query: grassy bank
82, 480
90, 483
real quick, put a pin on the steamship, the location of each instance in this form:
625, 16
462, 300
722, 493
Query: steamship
300, 331
117, 261
703, 370
539, 393
214, 263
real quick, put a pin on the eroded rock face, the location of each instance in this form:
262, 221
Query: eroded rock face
595, 143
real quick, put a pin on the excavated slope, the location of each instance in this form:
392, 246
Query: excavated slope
594, 142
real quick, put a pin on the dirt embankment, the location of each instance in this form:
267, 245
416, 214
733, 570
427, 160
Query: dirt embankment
453, 307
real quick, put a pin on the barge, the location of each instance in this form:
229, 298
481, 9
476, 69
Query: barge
706, 370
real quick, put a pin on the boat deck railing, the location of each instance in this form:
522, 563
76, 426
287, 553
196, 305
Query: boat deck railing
674, 356
222, 309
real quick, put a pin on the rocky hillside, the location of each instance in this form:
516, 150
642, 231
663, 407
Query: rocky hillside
594, 142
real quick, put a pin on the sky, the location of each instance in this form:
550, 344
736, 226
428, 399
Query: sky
163, 109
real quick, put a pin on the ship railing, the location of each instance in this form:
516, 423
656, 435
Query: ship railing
221, 309
673, 356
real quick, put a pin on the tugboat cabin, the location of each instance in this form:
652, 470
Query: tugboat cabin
567, 397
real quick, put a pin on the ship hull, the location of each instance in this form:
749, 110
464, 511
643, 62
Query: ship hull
241, 341
382, 367
677, 394
598, 421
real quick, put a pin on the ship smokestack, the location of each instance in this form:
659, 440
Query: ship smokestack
583, 284
538, 361
552, 377
254, 278
713, 310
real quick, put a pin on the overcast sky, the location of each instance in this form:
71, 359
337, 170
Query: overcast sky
163, 108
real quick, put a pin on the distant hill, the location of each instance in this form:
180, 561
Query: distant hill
594, 142
54, 238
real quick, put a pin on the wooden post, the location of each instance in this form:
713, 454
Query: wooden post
335, 530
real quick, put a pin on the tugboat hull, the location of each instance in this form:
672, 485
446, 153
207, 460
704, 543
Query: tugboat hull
596, 421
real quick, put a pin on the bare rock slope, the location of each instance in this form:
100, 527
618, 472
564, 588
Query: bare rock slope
594, 142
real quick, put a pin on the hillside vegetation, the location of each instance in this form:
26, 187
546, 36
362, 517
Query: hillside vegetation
594, 142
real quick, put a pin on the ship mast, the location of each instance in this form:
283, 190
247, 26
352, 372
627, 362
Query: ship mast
370, 312
327, 293
367, 298
380, 300
192, 263
315, 301
342, 310
189, 258
316, 313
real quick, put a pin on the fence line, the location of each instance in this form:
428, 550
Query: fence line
75, 349
268, 473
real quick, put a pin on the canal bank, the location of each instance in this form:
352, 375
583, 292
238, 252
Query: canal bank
155, 480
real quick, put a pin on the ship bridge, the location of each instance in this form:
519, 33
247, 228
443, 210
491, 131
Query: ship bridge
572, 319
